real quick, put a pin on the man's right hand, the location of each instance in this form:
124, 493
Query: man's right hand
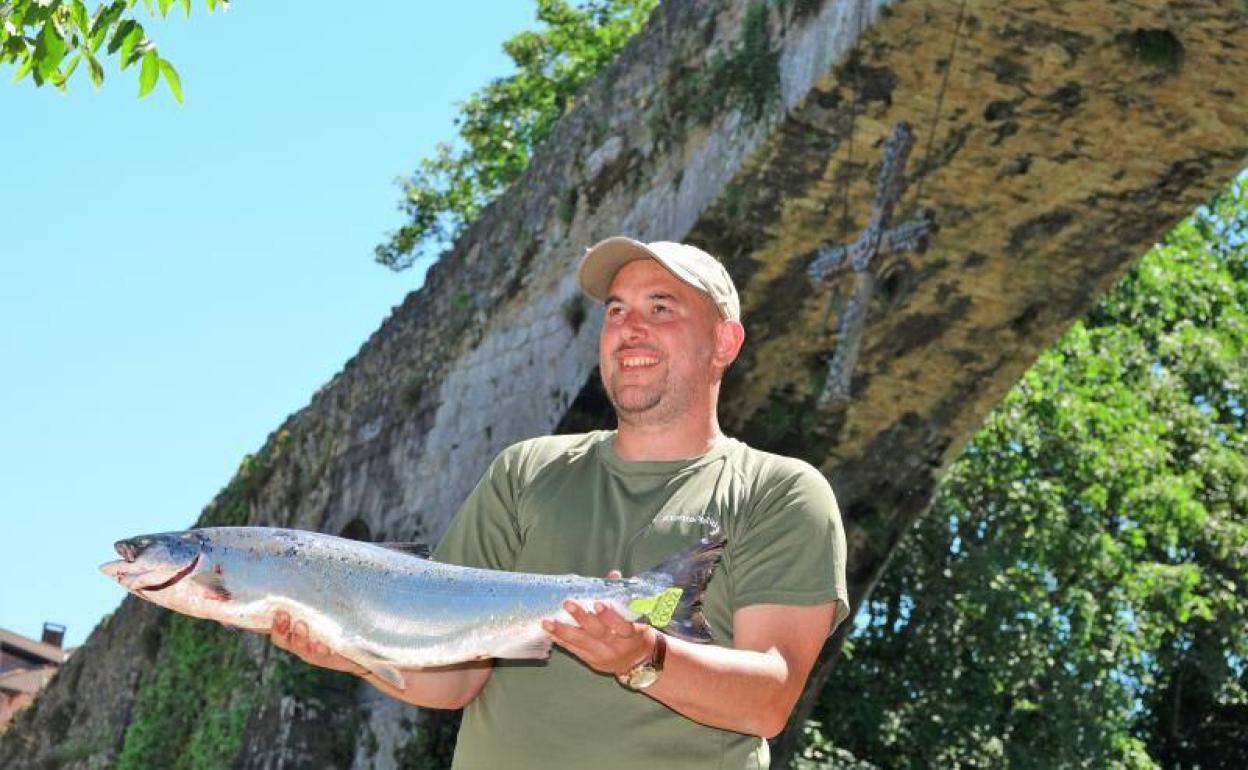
295, 639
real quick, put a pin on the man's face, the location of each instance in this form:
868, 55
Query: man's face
657, 346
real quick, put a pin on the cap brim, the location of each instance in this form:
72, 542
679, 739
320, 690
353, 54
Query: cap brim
605, 258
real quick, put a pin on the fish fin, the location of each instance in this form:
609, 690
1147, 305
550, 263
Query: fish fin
382, 668
419, 550
524, 647
214, 584
678, 609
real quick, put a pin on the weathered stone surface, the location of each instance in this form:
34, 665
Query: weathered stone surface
1066, 138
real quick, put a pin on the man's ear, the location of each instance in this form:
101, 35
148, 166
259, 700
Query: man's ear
729, 337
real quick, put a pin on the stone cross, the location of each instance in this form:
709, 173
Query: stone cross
875, 240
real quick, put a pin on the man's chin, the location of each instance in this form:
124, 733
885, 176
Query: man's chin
634, 402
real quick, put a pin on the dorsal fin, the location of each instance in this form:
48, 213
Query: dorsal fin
419, 550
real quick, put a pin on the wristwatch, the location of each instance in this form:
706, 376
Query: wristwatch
646, 672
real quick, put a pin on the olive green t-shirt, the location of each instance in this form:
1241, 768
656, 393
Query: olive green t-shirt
569, 504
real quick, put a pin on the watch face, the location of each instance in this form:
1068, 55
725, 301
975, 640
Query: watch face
643, 677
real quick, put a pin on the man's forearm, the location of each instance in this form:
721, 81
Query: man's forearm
749, 688
739, 690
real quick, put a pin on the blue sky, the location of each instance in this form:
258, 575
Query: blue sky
176, 279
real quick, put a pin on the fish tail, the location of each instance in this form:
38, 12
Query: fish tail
677, 606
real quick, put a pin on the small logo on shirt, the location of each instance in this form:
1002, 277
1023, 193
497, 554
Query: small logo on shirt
702, 518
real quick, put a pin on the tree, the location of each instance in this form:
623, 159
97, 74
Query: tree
502, 124
48, 39
1075, 598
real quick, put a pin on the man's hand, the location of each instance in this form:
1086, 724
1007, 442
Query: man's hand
295, 639
606, 642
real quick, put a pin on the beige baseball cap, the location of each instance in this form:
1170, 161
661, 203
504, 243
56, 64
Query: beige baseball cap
688, 263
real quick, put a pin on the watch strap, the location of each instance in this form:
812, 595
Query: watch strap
645, 673
660, 651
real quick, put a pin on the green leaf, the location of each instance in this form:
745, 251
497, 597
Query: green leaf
69, 70
97, 39
78, 11
119, 36
149, 73
50, 49
171, 77
186, 6
96, 70
128, 53
165, 5
106, 17
25, 67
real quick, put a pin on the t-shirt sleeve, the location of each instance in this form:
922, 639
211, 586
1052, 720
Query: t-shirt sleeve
484, 532
792, 549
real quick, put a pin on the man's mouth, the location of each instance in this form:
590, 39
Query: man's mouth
637, 362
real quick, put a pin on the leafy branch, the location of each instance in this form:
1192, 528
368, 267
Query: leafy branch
49, 39
502, 124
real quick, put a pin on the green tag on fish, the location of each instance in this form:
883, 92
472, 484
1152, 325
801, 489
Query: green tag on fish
659, 608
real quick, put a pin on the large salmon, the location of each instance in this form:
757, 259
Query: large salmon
386, 607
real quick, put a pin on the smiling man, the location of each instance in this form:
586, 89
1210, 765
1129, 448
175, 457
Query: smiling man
618, 694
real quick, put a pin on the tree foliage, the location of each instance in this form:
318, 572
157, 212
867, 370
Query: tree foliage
503, 123
1078, 595
49, 39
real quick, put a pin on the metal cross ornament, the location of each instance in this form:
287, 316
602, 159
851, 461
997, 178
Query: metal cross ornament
877, 239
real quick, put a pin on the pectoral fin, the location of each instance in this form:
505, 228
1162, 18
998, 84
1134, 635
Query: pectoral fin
382, 668
524, 647
213, 585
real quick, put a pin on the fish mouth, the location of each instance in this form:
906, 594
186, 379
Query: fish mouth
188, 569
123, 573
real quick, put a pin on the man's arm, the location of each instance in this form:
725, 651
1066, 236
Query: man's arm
750, 688
445, 687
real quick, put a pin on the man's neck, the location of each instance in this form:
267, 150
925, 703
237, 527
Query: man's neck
667, 441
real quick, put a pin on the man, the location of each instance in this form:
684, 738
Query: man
615, 693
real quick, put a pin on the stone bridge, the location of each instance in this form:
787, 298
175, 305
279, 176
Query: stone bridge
1056, 141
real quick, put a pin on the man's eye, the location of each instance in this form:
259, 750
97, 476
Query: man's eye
660, 309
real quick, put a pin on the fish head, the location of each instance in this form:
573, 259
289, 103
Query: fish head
151, 564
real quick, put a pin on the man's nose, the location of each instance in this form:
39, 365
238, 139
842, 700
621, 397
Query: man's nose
633, 328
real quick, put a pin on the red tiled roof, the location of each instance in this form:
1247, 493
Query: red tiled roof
32, 647
28, 680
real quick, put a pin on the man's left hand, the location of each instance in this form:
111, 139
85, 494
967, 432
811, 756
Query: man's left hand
602, 639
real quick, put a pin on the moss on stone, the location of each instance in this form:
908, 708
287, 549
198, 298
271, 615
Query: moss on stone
755, 66
191, 711
432, 743
746, 76
1159, 48
413, 389
567, 206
